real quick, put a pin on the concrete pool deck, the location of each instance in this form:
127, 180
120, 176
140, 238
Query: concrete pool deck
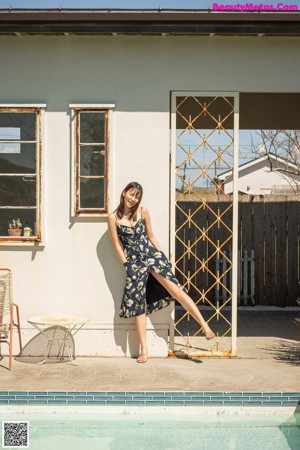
268, 361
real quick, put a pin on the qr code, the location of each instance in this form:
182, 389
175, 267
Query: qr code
15, 434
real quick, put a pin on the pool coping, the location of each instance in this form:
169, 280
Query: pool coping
150, 410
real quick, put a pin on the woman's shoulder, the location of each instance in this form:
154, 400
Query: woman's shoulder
143, 211
112, 217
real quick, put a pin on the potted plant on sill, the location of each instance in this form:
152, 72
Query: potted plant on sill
15, 228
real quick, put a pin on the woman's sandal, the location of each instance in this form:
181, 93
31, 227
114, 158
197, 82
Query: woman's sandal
142, 358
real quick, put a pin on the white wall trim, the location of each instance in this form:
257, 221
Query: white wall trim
92, 105
23, 105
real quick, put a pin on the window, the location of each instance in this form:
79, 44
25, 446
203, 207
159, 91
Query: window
91, 160
20, 173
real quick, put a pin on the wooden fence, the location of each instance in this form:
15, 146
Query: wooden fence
269, 226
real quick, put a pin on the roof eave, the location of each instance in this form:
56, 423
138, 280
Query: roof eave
197, 22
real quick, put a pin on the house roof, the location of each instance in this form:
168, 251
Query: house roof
148, 22
256, 161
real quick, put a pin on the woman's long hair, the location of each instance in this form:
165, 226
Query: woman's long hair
120, 208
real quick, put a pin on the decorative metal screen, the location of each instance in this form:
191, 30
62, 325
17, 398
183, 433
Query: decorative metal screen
205, 244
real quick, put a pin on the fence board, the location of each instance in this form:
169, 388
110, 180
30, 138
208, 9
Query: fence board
192, 234
259, 250
281, 252
179, 247
293, 251
270, 237
246, 226
201, 249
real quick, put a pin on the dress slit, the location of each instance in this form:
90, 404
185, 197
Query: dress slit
154, 290
143, 293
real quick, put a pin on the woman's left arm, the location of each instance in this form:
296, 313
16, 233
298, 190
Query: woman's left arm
149, 229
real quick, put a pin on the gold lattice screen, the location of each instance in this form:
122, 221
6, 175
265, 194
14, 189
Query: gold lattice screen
204, 220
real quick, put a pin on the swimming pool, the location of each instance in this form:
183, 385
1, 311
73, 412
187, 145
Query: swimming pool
152, 432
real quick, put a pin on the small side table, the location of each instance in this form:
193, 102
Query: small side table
72, 325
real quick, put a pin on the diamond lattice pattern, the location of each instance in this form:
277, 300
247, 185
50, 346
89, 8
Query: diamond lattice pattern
204, 150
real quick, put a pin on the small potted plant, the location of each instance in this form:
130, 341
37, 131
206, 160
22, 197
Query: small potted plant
15, 228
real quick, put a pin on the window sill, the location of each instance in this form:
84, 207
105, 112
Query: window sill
19, 242
91, 215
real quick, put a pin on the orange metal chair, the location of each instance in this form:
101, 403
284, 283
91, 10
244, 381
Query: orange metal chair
7, 309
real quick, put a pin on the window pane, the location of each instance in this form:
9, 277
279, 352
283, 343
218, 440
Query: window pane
92, 127
21, 124
18, 191
91, 193
10, 147
27, 218
10, 133
92, 160
17, 158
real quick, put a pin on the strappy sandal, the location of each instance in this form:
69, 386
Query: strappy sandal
142, 358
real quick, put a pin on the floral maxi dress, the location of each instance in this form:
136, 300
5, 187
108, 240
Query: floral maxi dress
143, 293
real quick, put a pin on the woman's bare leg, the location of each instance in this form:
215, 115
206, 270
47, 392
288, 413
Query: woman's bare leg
186, 301
140, 323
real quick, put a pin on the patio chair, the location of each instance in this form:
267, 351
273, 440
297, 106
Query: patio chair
7, 309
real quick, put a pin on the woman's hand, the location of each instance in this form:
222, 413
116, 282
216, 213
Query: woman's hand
129, 269
162, 257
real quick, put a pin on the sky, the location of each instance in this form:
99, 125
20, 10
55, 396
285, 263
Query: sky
139, 4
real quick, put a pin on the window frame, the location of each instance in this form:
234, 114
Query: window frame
76, 110
39, 110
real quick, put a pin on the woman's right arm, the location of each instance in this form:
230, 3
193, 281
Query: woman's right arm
112, 228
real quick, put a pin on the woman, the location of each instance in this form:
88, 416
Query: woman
150, 284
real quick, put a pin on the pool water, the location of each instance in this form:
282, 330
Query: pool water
161, 432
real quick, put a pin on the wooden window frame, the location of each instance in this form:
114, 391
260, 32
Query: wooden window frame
37, 237
77, 109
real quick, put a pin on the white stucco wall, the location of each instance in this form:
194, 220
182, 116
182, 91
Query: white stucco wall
75, 271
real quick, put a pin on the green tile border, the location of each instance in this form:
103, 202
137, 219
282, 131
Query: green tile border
150, 398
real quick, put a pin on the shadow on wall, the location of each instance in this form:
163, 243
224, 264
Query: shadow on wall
115, 277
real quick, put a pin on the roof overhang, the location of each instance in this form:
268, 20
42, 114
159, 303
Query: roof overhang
148, 22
